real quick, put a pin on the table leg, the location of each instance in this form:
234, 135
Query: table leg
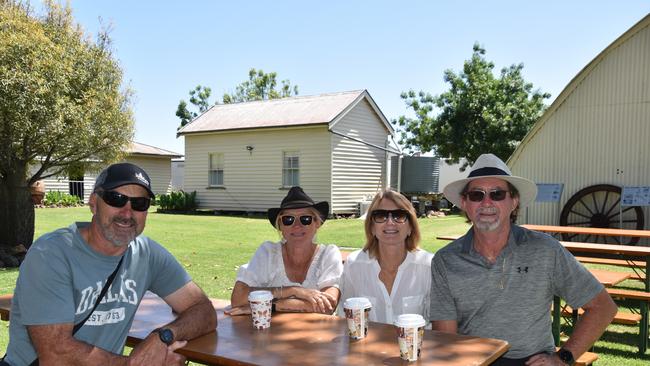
556, 320
643, 328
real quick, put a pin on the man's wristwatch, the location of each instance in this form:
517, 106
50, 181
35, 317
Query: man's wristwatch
166, 335
566, 356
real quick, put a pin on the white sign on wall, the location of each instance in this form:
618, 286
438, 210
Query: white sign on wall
549, 192
635, 196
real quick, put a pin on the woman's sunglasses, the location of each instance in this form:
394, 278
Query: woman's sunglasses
305, 220
380, 216
118, 200
478, 195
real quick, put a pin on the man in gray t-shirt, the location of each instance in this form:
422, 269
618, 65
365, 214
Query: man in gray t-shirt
65, 271
499, 279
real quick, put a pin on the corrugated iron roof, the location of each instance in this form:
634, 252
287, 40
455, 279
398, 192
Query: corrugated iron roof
292, 111
142, 149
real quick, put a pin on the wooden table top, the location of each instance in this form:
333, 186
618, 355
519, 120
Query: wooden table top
625, 250
589, 230
609, 278
307, 339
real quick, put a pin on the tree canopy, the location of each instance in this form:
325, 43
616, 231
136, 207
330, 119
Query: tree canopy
62, 104
480, 113
199, 97
259, 86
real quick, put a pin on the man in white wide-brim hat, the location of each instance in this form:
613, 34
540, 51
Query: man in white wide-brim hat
499, 279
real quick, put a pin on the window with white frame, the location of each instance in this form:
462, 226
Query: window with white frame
215, 173
290, 169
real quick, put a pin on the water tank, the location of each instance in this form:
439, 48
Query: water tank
419, 174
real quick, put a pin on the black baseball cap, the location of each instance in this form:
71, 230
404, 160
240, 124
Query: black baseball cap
121, 174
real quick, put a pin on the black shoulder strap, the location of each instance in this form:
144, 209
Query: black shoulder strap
109, 281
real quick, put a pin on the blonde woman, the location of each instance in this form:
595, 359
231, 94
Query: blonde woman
390, 270
302, 275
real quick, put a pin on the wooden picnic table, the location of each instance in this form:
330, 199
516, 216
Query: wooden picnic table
593, 234
609, 278
306, 339
595, 231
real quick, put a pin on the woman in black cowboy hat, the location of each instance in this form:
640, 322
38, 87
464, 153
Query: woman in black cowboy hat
302, 275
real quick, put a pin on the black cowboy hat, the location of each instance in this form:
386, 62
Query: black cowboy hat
297, 198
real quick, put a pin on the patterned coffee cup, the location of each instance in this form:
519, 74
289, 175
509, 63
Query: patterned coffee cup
356, 312
260, 302
410, 330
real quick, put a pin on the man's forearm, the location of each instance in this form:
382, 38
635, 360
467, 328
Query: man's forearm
598, 314
80, 353
195, 321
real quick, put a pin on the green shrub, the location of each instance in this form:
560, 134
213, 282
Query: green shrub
56, 198
177, 201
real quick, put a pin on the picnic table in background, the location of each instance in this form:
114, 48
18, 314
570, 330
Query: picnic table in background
573, 231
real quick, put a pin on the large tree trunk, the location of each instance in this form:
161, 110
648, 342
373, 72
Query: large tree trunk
16, 214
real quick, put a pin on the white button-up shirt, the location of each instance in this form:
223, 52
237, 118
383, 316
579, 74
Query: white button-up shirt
411, 289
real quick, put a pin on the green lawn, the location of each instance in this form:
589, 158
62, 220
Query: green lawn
211, 248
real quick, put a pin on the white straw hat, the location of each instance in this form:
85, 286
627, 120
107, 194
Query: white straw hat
490, 166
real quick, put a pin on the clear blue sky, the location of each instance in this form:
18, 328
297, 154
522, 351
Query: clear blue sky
166, 48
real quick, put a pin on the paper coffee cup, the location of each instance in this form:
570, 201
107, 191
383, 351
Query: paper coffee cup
260, 302
356, 312
410, 330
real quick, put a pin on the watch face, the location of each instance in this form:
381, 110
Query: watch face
566, 356
166, 336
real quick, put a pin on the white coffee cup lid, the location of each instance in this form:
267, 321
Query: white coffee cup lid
260, 296
410, 320
357, 303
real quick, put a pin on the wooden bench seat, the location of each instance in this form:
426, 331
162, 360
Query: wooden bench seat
613, 262
628, 294
619, 318
617, 262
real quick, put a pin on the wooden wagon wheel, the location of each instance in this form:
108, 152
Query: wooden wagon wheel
598, 206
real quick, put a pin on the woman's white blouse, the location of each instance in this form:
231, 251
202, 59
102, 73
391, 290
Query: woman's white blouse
411, 289
266, 268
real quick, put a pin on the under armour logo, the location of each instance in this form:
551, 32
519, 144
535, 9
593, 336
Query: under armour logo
519, 269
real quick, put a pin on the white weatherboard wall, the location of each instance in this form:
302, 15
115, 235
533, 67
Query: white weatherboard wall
62, 183
159, 170
597, 128
358, 169
253, 180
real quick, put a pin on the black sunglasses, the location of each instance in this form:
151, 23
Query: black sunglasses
399, 216
478, 195
305, 220
115, 199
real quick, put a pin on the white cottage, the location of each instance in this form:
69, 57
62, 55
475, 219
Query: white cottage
595, 134
155, 161
245, 156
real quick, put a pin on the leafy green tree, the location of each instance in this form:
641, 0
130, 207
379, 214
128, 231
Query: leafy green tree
199, 97
260, 86
479, 113
61, 104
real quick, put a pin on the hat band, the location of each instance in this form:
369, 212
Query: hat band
486, 171
295, 203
